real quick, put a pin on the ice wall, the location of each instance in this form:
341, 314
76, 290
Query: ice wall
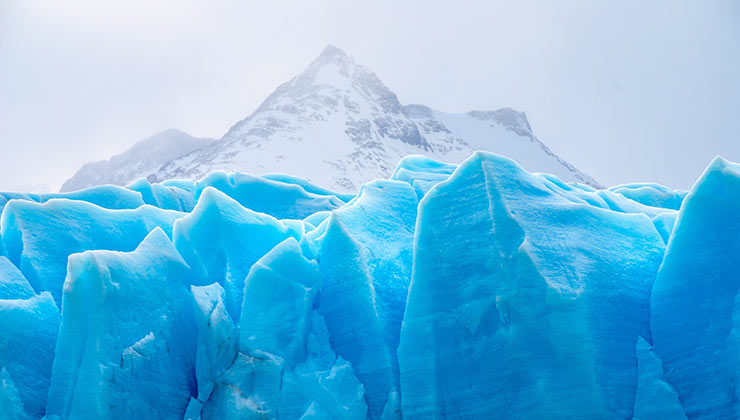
475, 291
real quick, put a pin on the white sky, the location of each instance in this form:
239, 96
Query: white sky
625, 90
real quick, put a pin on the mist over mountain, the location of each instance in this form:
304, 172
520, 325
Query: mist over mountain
337, 125
139, 161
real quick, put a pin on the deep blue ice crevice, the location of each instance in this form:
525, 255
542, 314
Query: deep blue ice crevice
217, 337
286, 367
365, 258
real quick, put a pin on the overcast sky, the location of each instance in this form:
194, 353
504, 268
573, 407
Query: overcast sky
625, 90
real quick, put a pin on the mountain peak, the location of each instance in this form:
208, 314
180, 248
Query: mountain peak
337, 124
332, 52
332, 78
332, 60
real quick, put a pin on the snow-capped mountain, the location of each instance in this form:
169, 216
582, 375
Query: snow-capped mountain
337, 125
141, 160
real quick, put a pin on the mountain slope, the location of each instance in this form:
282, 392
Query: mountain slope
141, 160
337, 125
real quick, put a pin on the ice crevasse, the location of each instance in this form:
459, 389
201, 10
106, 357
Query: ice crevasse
471, 291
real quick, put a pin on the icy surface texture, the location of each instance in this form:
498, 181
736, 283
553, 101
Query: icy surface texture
284, 200
106, 196
471, 291
422, 172
365, 259
12, 283
655, 398
217, 337
38, 238
28, 331
695, 303
512, 284
220, 240
170, 197
286, 367
655, 195
125, 346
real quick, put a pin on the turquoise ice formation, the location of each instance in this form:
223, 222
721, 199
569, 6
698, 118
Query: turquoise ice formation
476, 291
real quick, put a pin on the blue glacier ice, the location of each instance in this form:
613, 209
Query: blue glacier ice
664, 223
655, 398
38, 238
217, 337
284, 200
513, 281
177, 196
699, 279
285, 365
654, 195
365, 260
29, 328
307, 186
422, 172
12, 283
448, 291
106, 196
280, 293
220, 240
125, 348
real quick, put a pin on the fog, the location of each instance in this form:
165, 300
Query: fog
626, 91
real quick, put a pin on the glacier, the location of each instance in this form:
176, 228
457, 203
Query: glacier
470, 291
